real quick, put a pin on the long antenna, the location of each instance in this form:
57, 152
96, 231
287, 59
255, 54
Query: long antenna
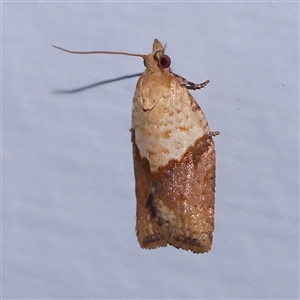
98, 52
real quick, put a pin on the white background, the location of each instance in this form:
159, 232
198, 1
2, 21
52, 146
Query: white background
68, 202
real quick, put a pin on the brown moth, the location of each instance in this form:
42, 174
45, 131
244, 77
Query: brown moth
174, 158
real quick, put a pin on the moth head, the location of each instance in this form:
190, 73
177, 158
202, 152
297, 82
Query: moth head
157, 58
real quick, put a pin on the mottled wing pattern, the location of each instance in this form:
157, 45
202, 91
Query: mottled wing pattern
147, 230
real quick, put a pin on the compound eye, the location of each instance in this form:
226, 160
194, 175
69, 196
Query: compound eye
164, 61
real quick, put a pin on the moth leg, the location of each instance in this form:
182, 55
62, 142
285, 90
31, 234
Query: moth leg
190, 85
214, 133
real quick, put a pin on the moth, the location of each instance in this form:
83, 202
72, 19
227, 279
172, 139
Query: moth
174, 158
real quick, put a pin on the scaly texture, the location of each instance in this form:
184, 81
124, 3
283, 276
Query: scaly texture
174, 162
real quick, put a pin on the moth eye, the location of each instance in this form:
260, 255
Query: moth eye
164, 61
